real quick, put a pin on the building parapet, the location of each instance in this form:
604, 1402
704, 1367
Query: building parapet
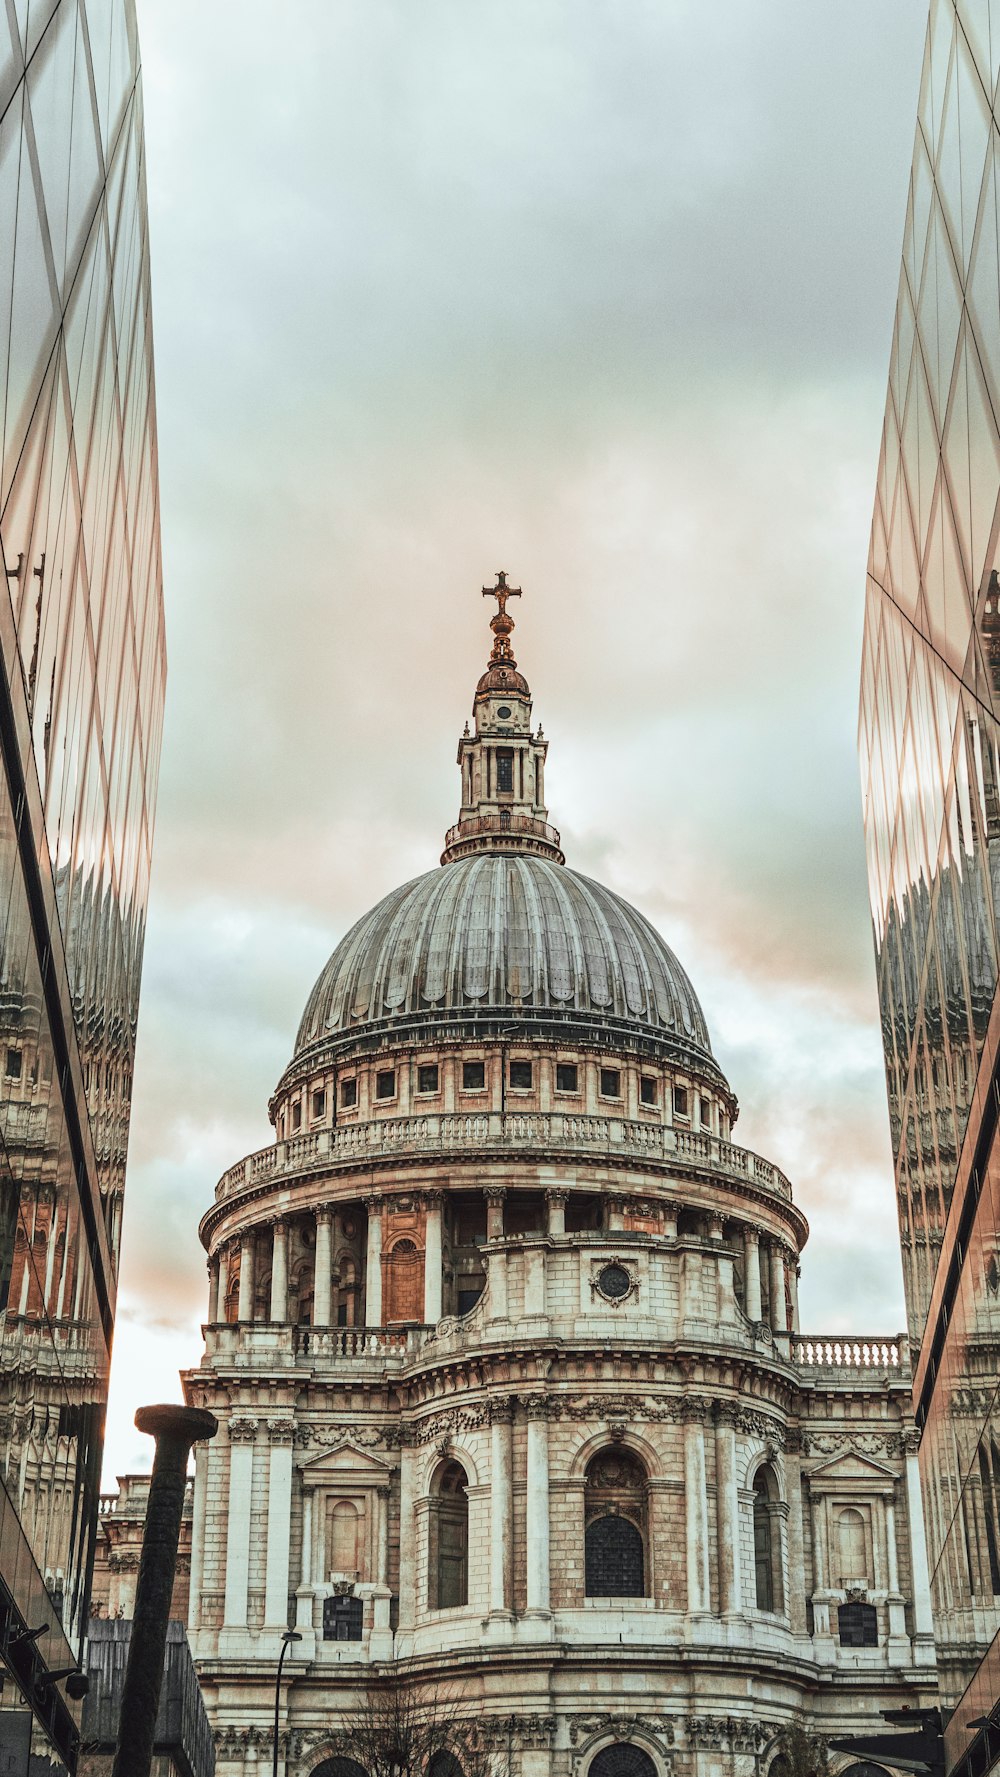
850, 1351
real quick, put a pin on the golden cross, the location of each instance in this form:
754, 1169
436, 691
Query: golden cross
501, 591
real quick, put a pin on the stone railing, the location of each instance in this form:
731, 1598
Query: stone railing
848, 1351
332, 1343
511, 1131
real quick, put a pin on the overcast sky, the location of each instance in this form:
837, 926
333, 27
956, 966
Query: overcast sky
597, 291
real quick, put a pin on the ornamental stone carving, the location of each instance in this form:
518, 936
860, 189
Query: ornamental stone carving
659, 1728
727, 1733
242, 1430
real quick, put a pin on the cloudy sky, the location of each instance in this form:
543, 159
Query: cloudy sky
598, 292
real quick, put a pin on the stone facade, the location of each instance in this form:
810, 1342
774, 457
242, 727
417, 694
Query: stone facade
121, 1521
503, 1340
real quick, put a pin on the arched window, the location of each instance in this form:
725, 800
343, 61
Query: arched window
302, 1285
444, 1764
767, 1541
853, 1546
340, 1767
857, 1625
615, 1526
448, 1565
622, 1760
403, 1295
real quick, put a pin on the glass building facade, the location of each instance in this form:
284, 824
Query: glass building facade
82, 669
930, 766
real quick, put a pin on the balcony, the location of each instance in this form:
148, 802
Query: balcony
495, 1132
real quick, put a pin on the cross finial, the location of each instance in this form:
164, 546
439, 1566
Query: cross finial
501, 624
501, 591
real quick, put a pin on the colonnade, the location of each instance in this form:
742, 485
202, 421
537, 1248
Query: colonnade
761, 1257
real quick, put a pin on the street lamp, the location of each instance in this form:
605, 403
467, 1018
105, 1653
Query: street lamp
289, 1636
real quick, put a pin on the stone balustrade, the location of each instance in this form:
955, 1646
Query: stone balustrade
849, 1351
512, 1131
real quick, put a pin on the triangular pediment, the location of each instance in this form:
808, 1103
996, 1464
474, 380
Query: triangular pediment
850, 1465
341, 1459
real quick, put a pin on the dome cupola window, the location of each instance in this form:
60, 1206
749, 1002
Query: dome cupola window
567, 1076
427, 1077
473, 1076
611, 1082
385, 1083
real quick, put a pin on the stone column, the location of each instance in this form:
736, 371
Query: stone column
373, 1270
557, 1211
433, 1258
779, 1312
501, 1508
495, 1195
223, 1289
696, 1504
923, 1622
408, 1458
241, 1441
213, 1291
198, 1534
537, 1505
751, 1269
247, 1255
279, 1273
727, 1507
616, 1214
279, 1523
322, 1295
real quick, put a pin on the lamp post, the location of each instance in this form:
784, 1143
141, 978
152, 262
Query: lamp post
289, 1636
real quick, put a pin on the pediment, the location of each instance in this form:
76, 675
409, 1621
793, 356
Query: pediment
850, 1465
339, 1460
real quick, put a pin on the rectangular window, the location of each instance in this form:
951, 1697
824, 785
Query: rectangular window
647, 1089
681, 1102
319, 1102
296, 1117
385, 1083
611, 1083
566, 1076
348, 1093
473, 1076
14, 1064
427, 1077
505, 768
704, 1113
520, 1076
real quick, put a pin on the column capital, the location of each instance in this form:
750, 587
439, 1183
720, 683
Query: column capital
695, 1409
537, 1406
280, 1225
501, 1411
433, 1199
618, 1200
558, 1194
242, 1430
281, 1431
324, 1214
495, 1193
727, 1413
751, 1234
910, 1441
373, 1205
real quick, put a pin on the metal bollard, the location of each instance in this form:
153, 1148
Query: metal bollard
175, 1430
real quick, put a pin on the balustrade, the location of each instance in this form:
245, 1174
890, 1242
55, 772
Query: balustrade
563, 1131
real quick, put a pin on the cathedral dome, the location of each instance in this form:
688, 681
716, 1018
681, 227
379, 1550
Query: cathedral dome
508, 931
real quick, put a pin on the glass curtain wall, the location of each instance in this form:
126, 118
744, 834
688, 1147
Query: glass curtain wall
930, 767
82, 669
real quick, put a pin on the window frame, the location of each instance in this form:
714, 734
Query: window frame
385, 1073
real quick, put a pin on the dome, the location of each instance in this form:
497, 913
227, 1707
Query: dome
504, 930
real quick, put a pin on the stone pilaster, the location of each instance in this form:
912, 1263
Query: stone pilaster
727, 1508
433, 1257
693, 1413
373, 1266
279, 1518
279, 1272
242, 1433
537, 1504
751, 1268
501, 1510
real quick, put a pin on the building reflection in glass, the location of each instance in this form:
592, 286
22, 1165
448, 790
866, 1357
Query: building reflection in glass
930, 766
81, 698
